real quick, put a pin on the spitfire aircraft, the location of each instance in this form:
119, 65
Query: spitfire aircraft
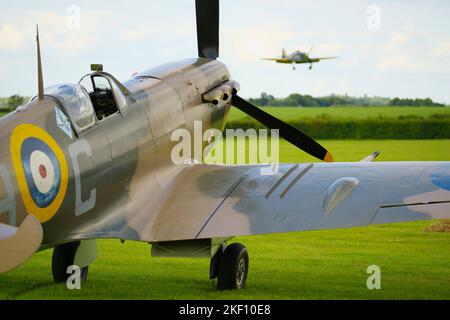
88, 161
297, 57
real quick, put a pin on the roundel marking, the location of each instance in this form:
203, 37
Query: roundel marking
41, 170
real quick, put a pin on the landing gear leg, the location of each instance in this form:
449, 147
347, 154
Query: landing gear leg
310, 66
215, 262
232, 267
293, 66
79, 253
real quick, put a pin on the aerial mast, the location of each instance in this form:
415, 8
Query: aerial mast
39, 65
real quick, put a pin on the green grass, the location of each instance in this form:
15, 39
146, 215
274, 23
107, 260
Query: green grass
355, 150
301, 265
307, 265
293, 113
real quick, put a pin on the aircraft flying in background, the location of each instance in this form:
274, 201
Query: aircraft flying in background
93, 160
297, 57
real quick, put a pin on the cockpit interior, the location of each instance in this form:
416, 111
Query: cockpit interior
101, 94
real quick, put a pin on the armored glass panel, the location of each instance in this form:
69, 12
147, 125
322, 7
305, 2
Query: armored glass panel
86, 82
119, 96
77, 103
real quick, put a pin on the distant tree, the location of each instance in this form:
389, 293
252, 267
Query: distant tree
15, 101
264, 100
299, 100
415, 103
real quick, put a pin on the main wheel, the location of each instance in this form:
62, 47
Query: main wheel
63, 257
233, 267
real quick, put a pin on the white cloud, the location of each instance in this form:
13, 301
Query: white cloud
398, 52
70, 44
48, 19
356, 55
137, 33
326, 49
413, 50
319, 87
11, 38
344, 86
442, 49
250, 43
54, 31
187, 29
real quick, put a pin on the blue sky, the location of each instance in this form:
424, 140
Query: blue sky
385, 47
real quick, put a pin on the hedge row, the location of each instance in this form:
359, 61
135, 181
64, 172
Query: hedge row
363, 129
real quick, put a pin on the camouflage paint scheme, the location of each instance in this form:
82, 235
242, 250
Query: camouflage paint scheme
117, 179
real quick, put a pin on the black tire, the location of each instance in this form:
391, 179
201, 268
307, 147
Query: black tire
233, 268
63, 257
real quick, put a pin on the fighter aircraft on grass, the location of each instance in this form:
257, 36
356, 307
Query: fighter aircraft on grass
92, 160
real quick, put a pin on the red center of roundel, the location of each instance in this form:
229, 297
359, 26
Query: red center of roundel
42, 171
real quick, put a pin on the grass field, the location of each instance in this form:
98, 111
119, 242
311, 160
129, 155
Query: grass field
292, 113
304, 265
390, 150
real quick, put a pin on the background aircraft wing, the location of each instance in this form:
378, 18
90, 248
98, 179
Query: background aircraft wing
209, 201
279, 60
321, 58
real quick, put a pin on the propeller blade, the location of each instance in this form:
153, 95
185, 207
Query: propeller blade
286, 131
207, 12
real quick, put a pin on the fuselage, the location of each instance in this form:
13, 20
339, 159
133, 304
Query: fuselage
104, 170
298, 56
295, 57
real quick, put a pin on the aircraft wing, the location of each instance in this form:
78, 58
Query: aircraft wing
279, 60
322, 58
209, 201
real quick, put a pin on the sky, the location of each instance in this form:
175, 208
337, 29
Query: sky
386, 48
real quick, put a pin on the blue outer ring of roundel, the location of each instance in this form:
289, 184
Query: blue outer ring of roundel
29, 145
441, 180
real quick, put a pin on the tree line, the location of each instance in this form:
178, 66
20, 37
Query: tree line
293, 100
11, 103
300, 100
